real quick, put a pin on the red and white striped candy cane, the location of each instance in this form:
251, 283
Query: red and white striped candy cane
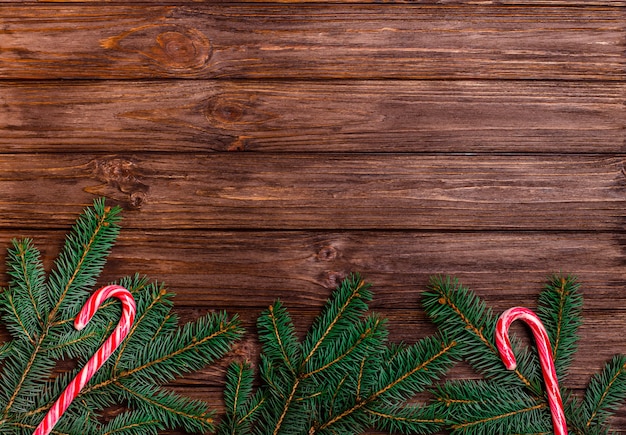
96, 361
546, 358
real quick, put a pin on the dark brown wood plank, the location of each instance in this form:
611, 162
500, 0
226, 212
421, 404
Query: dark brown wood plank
320, 191
311, 41
235, 270
294, 116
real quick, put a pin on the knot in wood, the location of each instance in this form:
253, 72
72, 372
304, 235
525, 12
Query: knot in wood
223, 111
327, 253
182, 50
123, 175
333, 278
174, 48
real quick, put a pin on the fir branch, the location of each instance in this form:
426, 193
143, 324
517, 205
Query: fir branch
491, 406
173, 354
462, 315
39, 316
98, 227
278, 337
481, 407
341, 378
169, 408
605, 392
409, 419
132, 424
82, 258
400, 381
560, 308
349, 304
241, 405
27, 285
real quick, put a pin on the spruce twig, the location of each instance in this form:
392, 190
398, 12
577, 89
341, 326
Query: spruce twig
38, 313
500, 403
343, 378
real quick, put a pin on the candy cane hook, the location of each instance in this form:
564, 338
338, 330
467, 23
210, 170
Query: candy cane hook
546, 358
98, 359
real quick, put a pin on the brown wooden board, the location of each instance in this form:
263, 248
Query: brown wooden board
246, 270
311, 41
321, 191
313, 116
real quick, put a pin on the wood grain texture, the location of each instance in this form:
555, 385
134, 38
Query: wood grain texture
313, 116
321, 191
235, 270
287, 3
311, 41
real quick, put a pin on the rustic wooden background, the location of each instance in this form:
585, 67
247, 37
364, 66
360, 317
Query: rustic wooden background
266, 150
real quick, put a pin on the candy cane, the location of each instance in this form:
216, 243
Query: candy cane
546, 358
97, 360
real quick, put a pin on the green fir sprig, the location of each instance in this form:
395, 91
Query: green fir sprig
343, 378
515, 402
38, 312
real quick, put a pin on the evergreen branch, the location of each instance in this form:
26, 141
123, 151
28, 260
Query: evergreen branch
241, 389
92, 237
132, 423
482, 407
286, 406
32, 427
106, 219
62, 344
267, 373
17, 324
342, 378
410, 419
443, 354
241, 405
371, 328
221, 333
169, 408
391, 416
26, 270
560, 307
492, 406
212, 344
39, 317
350, 302
606, 390
462, 315
278, 336
466, 426
159, 305
5, 350
23, 377
253, 410
360, 377
337, 337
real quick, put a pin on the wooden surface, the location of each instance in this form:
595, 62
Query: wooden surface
266, 150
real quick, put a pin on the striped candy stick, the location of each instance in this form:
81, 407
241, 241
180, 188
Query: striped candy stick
103, 353
546, 358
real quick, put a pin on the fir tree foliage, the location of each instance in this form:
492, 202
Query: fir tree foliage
343, 378
514, 402
38, 313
